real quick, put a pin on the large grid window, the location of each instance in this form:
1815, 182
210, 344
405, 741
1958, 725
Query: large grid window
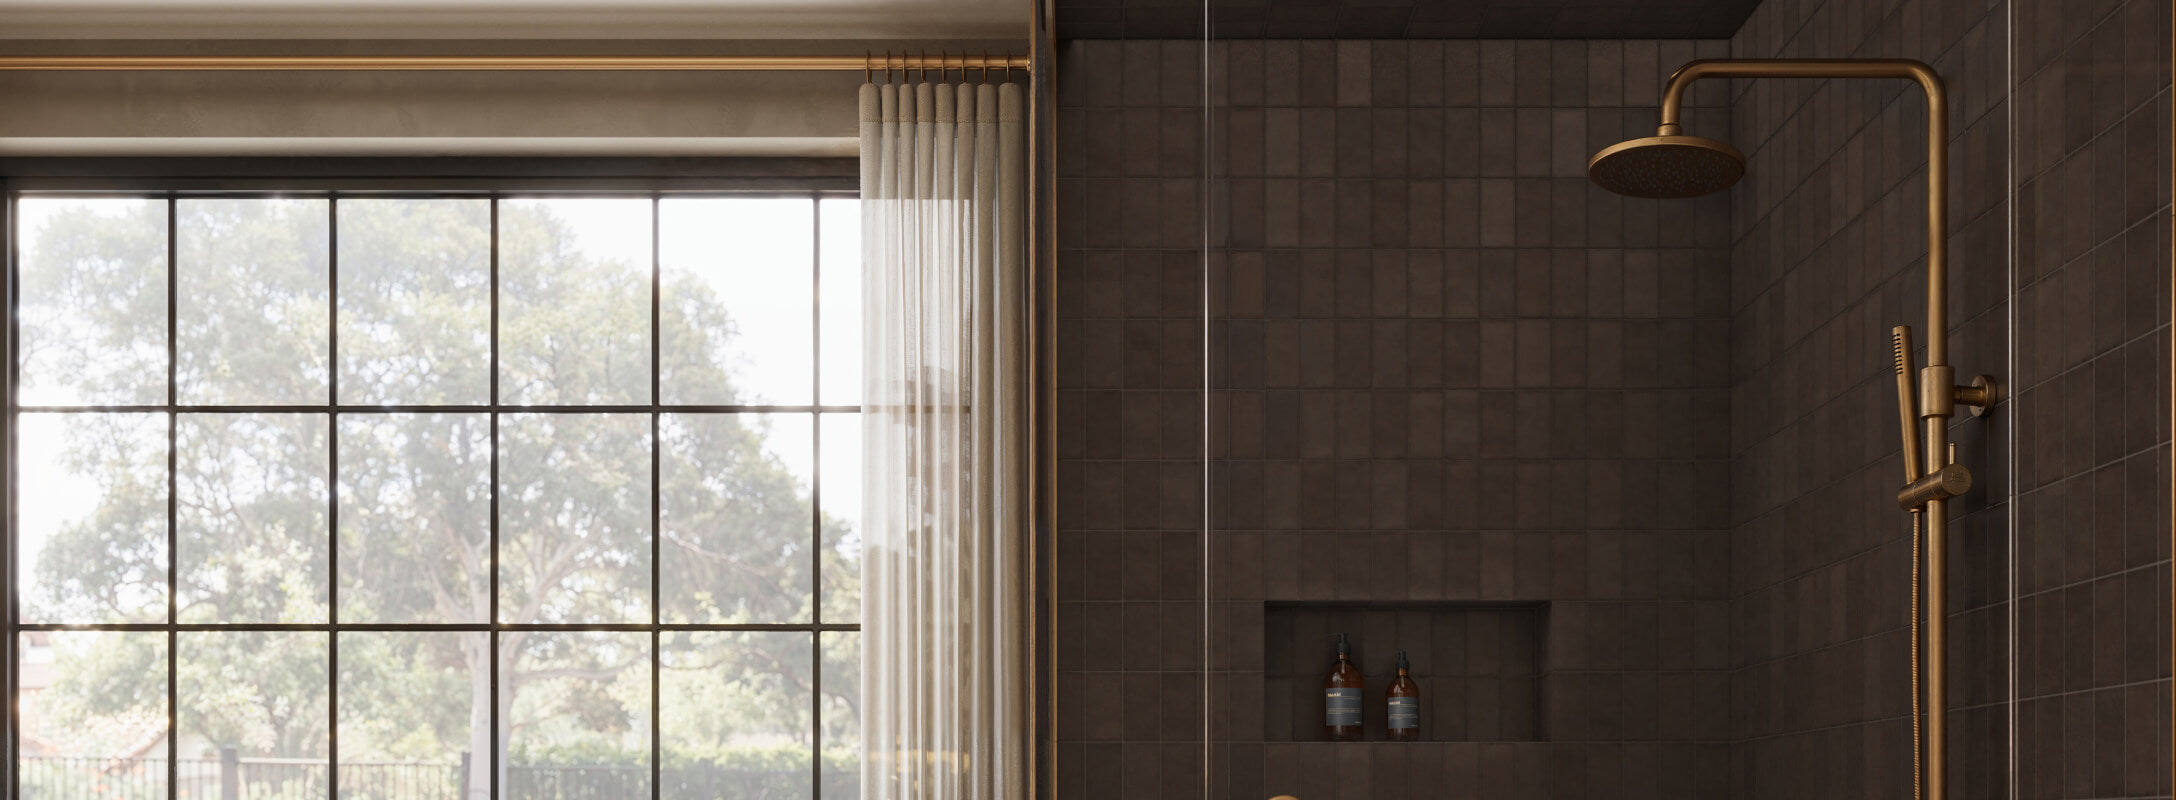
410, 497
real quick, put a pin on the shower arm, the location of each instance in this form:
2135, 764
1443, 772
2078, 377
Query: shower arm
1937, 399
1939, 394
1931, 483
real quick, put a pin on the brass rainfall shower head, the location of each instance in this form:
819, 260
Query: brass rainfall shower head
1666, 167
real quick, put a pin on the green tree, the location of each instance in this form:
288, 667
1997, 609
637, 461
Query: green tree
414, 516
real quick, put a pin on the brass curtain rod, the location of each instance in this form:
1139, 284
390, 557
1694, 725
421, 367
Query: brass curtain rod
864, 63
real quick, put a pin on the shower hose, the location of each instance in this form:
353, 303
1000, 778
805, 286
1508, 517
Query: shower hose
1918, 767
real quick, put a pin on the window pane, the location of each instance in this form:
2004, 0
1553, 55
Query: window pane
91, 528
841, 301
410, 704
415, 301
257, 699
250, 517
735, 517
574, 301
415, 517
580, 715
736, 311
93, 301
842, 517
251, 313
574, 518
733, 718
93, 714
842, 715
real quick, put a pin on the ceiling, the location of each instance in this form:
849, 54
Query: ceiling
1405, 19
515, 19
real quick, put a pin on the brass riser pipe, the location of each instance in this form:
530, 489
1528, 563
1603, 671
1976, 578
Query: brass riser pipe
1937, 397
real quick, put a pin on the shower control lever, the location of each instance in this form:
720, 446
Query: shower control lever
1949, 481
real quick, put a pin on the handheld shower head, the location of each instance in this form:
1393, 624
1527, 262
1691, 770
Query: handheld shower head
1666, 167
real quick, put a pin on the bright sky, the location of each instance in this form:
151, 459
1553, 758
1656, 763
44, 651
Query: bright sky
754, 252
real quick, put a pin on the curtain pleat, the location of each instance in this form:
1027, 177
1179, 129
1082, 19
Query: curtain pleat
944, 441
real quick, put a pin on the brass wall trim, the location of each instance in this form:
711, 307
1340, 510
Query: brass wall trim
864, 63
1041, 737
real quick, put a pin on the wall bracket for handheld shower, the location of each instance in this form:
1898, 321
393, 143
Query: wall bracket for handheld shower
1980, 395
1943, 395
1934, 478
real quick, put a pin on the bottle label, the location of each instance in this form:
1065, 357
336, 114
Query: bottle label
1342, 707
1404, 713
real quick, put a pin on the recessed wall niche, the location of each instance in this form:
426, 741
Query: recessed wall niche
1478, 666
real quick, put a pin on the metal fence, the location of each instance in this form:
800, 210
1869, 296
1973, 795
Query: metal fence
86, 778
232, 777
390, 780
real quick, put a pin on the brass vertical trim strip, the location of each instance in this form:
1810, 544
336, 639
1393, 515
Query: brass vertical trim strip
1208, 430
1040, 737
2011, 422
727, 63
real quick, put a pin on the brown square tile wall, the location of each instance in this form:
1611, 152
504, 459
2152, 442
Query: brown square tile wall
1448, 370
2093, 437
1404, 19
1827, 254
1129, 417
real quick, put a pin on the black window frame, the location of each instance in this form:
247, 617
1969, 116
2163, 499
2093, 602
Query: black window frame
494, 179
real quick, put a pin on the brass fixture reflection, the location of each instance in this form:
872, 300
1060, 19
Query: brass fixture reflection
1673, 165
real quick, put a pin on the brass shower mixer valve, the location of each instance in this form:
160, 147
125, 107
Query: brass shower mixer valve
1935, 400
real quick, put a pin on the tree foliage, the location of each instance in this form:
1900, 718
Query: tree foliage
415, 493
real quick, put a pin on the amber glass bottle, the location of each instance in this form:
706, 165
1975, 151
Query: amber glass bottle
1404, 704
1341, 693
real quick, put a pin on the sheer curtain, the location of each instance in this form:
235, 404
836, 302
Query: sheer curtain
944, 499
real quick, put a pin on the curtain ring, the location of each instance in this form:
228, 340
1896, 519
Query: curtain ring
865, 58
925, 66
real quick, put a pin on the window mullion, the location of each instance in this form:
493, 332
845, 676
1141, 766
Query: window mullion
498, 748
332, 496
173, 510
657, 599
816, 497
